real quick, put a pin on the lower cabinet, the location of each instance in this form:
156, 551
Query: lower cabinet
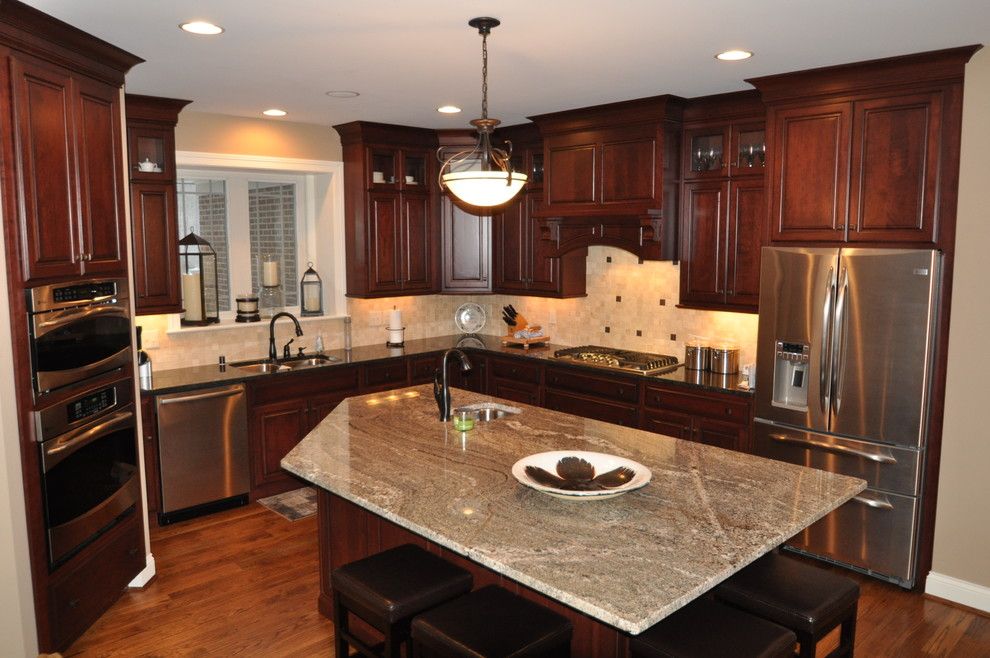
709, 417
515, 380
591, 407
149, 434
610, 399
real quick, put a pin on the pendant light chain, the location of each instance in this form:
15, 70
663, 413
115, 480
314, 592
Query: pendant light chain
484, 76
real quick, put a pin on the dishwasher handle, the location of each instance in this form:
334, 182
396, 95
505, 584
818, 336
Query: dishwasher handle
209, 395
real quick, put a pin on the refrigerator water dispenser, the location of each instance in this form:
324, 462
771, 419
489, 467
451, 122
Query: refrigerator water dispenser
790, 375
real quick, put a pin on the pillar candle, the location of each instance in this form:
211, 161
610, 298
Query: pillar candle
269, 275
311, 298
191, 297
395, 319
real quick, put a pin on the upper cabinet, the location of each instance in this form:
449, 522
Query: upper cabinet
69, 175
389, 206
465, 232
723, 202
154, 223
612, 175
865, 153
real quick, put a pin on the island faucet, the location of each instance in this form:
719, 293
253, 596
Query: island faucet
272, 352
441, 390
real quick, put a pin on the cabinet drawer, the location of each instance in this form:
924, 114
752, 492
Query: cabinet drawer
515, 370
389, 374
523, 392
668, 423
421, 368
93, 585
588, 407
291, 386
597, 386
710, 405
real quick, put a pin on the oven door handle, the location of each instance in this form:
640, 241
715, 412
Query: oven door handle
72, 315
879, 457
69, 442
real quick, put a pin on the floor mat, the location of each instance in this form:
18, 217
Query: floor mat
293, 505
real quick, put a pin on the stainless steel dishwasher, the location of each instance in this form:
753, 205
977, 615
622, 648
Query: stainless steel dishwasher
203, 451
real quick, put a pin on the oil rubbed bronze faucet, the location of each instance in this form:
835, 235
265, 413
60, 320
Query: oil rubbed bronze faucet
272, 352
441, 390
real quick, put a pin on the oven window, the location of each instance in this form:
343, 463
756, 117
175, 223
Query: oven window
89, 476
82, 342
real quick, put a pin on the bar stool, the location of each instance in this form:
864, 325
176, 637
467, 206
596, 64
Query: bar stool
494, 623
808, 600
387, 590
708, 629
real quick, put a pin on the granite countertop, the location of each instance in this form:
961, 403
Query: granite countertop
182, 379
628, 561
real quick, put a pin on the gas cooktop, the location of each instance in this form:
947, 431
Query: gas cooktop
607, 357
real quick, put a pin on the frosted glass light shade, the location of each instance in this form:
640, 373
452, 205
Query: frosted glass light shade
484, 189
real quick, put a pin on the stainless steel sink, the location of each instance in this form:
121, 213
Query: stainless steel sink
310, 362
262, 368
484, 412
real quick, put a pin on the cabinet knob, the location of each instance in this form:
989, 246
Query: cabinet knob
621, 390
132, 551
728, 411
74, 603
656, 399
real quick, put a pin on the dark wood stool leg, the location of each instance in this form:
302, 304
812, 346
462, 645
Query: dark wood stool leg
806, 645
847, 636
340, 647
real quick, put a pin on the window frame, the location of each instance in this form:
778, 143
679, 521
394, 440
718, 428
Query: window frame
319, 221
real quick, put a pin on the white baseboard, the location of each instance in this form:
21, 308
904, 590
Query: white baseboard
958, 591
146, 574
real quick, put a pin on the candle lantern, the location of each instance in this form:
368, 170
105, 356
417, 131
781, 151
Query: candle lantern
311, 292
200, 285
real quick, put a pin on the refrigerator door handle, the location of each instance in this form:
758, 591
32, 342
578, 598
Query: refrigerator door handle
838, 366
876, 503
879, 457
824, 369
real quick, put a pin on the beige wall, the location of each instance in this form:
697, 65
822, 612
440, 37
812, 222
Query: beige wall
962, 527
221, 133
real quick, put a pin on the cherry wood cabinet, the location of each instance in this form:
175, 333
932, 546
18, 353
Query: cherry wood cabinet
69, 173
466, 240
611, 399
391, 225
149, 432
151, 125
513, 379
709, 417
722, 202
866, 153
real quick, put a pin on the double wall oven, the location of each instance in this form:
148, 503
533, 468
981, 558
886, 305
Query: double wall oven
85, 422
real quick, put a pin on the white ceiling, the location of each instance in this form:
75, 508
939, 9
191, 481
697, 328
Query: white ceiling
406, 57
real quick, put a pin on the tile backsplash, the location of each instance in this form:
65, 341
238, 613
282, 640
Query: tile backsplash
629, 304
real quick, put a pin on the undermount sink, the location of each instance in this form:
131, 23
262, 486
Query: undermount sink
310, 362
484, 412
262, 368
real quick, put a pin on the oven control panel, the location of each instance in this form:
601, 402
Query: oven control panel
82, 409
84, 292
92, 404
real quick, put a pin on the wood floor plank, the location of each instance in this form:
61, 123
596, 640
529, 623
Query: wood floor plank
245, 583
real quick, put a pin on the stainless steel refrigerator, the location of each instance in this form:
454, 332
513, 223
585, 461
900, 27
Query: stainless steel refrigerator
844, 367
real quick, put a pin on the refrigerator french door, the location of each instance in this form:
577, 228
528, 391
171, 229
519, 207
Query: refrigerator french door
845, 351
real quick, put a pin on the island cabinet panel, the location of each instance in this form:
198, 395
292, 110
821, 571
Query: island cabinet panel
348, 532
708, 417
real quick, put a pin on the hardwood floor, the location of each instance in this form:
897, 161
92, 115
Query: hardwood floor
244, 582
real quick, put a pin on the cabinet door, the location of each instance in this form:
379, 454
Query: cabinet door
703, 236
101, 200
149, 429
668, 423
747, 210
706, 153
590, 407
509, 246
628, 169
155, 237
719, 434
321, 406
515, 391
895, 168
810, 176
571, 168
467, 249
46, 169
416, 243
277, 428
384, 231
475, 379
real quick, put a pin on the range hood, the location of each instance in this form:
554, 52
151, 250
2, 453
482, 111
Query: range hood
612, 173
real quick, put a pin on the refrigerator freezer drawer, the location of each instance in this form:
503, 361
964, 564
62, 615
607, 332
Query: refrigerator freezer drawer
875, 532
884, 467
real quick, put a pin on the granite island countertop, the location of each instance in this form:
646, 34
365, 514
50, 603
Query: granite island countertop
175, 380
628, 561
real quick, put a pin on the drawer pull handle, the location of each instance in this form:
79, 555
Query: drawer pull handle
74, 603
728, 411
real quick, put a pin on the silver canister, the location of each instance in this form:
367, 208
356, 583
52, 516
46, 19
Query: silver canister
696, 356
724, 359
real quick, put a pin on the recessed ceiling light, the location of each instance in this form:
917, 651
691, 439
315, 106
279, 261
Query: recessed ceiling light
733, 55
448, 109
343, 94
201, 27
274, 112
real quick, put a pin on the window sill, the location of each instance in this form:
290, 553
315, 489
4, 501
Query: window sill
227, 324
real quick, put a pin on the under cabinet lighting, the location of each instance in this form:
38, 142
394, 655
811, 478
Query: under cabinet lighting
201, 27
274, 112
733, 55
448, 109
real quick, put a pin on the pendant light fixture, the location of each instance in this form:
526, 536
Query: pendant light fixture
483, 176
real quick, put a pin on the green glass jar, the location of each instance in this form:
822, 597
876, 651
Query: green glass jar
463, 421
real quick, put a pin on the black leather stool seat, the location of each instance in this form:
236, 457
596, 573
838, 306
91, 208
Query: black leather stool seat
387, 589
494, 623
707, 629
806, 599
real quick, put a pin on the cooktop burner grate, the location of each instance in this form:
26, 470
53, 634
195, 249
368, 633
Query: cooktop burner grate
628, 360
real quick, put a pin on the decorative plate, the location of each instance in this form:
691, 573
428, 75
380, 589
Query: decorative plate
581, 475
470, 318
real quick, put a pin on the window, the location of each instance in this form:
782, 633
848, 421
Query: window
272, 217
203, 211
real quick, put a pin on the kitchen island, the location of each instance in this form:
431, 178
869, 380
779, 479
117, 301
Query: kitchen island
389, 471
